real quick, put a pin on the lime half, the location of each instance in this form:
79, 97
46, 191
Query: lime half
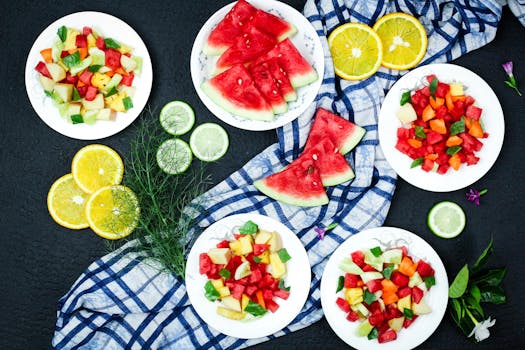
446, 219
209, 142
174, 156
177, 117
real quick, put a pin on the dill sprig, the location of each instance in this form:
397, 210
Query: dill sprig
168, 202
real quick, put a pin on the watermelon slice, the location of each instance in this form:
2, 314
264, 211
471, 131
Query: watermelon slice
298, 184
344, 134
235, 91
267, 86
281, 79
299, 71
247, 47
333, 167
273, 25
231, 26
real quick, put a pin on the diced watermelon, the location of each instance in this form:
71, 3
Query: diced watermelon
271, 305
343, 304
374, 307
368, 268
127, 79
417, 294
42, 69
387, 336
351, 280
391, 311
427, 165
85, 77
81, 40
283, 294
399, 279
101, 44
91, 93
407, 322
424, 269
82, 90
352, 316
223, 244
258, 249
237, 291
250, 290
255, 276
470, 144
205, 264
358, 258
442, 89
234, 262
442, 169
267, 294
113, 58
434, 137
87, 30
376, 318
473, 112
471, 159
374, 285
71, 79
403, 292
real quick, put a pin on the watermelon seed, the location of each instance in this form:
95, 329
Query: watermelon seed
239, 81
336, 150
314, 156
274, 92
310, 169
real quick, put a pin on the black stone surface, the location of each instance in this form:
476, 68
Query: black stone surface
39, 260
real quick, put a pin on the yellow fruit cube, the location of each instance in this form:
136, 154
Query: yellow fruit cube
354, 295
100, 80
91, 41
244, 301
263, 236
265, 257
71, 39
217, 283
456, 89
404, 303
278, 268
246, 244
223, 291
233, 315
115, 102
236, 247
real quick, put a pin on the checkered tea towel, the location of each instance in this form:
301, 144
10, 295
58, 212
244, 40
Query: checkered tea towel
122, 302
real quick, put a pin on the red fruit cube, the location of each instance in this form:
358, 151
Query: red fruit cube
442, 89
374, 307
368, 268
255, 276
101, 44
392, 311
237, 291
443, 169
403, 147
81, 40
425, 91
424, 269
407, 322
127, 79
271, 305
404, 250
471, 159
280, 293
64, 54
383, 326
42, 69
234, 262
85, 77
223, 244
258, 249
250, 290
82, 90
417, 295
113, 58
473, 112
358, 257
469, 100
351, 280
430, 77
71, 79
343, 304
403, 292
204, 263
91, 93
399, 279
434, 137
374, 285
428, 164
87, 30
387, 336
352, 316
267, 294
376, 318
403, 133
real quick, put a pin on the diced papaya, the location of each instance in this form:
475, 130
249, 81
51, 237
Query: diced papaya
389, 297
47, 55
388, 286
448, 101
438, 125
436, 102
454, 141
454, 161
428, 113
475, 129
415, 143
407, 267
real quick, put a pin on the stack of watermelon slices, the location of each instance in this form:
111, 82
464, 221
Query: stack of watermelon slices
321, 164
259, 67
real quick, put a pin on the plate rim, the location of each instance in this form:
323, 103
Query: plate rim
238, 122
85, 132
195, 293
328, 297
451, 181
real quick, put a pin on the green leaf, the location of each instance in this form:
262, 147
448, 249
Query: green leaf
455, 310
483, 258
420, 132
433, 86
249, 228
128, 104
417, 162
405, 97
94, 68
373, 334
494, 295
72, 60
112, 92
340, 284
282, 286
62, 33
408, 313
111, 44
457, 127
76, 95
473, 304
254, 309
453, 150
492, 277
368, 297
225, 273
430, 281
77, 119
48, 93
475, 292
257, 259
376, 251
210, 292
459, 285
387, 271
283, 255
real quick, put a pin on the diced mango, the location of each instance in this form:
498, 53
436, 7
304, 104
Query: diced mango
223, 291
246, 244
278, 267
265, 257
275, 242
263, 236
220, 256
456, 89
354, 295
100, 80
217, 283
71, 39
233, 315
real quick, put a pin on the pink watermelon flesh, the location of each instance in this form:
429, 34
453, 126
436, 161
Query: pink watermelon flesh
298, 184
273, 25
231, 26
333, 167
267, 86
281, 79
344, 134
235, 91
299, 71
247, 47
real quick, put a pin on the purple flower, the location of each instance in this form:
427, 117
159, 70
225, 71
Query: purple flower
473, 195
511, 81
321, 231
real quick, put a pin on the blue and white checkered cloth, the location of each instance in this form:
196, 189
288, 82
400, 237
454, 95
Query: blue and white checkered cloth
121, 301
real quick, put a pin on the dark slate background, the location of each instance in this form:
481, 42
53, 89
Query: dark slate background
39, 260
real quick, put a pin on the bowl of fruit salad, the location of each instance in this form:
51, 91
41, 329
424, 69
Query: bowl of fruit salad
384, 288
248, 276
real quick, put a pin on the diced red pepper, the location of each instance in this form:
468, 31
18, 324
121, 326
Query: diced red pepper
407, 322
387, 336
399, 279
204, 263
128, 81
237, 291
374, 285
424, 269
343, 304
91, 93
42, 69
473, 112
403, 292
351, 280
87, 30
417, 295
352, 316
85, 77
81, 40
113, 58
271, 305
280, 293
101, 44
258, 249
358, 257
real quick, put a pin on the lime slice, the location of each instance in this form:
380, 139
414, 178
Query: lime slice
209, 142
446, 219
177, 117
174, 156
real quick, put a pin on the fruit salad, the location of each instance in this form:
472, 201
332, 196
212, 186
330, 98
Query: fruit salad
442, 126
384, 291
88, 76
246, 274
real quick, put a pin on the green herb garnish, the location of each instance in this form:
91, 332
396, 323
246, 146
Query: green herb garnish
429, 281
257, 259
376, 251
420, 132
48, 93
77, 118
340, 284
76, 94
408, 313
62, 33
128, 104
210, 292
283, 255
282, 286
368, 297
249, 228
373, 334
433, 86
225, 273
405, 98
111, 44
453, 150
387, 271
72, 60
94, 68
457, 127
417, 162
255, 309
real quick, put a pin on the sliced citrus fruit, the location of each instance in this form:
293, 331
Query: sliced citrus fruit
446, 219
177, 117
404, 40
113, 212
174, 156
209, 142
66, 202
95, 166
356, 51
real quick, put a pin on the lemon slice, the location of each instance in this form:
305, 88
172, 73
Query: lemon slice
96, 166
66, 202
113, 212
404, 40
356, 51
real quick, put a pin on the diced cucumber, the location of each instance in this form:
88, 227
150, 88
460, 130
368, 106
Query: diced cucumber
104, 69
371, 275
349, 266
138, 68
62, 109
64, 91
415, 280
115, 80
360, 309
127, 63
56, 50
104, 114
98, 56
375, 261
392, 256
363, 329
72, 109
128, 90
90, 117
47, 84
86, 62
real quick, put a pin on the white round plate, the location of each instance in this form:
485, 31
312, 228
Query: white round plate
298, 277
108, 26
307, 42
385, 237
492, 119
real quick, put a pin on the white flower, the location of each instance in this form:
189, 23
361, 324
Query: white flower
481, 330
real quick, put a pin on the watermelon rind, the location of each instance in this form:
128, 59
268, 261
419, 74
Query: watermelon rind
299, 80
218, 98
288, 34
352, 141
321, 199
334, 180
